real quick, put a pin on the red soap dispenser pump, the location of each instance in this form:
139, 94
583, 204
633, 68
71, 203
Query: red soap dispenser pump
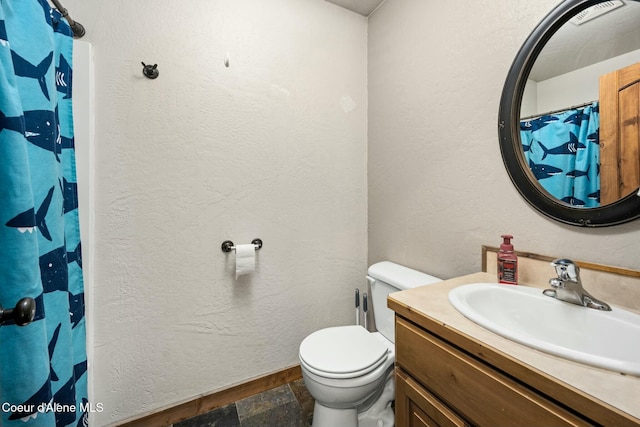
507, 262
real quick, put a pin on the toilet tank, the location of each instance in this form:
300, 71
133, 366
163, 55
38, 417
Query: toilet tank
386, 277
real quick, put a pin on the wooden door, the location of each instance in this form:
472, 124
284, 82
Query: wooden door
619, 133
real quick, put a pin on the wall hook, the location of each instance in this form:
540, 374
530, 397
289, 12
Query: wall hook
150, 71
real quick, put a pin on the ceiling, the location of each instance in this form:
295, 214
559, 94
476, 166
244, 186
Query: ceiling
573, 47
362, 7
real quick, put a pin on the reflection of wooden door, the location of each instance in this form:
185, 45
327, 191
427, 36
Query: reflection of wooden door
619, 133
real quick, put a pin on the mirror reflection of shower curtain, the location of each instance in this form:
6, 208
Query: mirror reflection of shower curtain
563, 153
43, 366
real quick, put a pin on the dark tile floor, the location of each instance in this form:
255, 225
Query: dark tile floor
289, 405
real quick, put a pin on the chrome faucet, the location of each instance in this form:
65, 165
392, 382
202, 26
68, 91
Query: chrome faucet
568, 286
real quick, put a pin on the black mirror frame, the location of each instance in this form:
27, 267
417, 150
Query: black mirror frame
624, 210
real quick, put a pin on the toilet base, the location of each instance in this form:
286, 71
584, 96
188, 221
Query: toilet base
379, 412
324, 416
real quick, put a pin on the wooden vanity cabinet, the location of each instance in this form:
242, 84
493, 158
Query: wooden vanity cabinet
439, 384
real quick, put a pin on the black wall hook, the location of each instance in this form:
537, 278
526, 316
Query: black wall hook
150, 71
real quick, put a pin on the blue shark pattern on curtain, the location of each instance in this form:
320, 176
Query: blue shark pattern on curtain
43, 379
563, 152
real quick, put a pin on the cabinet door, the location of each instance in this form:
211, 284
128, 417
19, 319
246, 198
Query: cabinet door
416, 407
476, 391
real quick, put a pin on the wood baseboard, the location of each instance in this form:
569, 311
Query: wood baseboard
218, 399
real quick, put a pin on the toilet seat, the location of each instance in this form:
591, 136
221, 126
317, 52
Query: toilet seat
342, 352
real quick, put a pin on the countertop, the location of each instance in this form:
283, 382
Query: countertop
573, 383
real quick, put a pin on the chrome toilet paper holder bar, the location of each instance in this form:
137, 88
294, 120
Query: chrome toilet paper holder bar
228, 246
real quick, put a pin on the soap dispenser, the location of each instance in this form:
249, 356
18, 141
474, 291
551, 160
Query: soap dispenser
507, 262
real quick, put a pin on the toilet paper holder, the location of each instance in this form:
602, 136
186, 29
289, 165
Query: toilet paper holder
228, 246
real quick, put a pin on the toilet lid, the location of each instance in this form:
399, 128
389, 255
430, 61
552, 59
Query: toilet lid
341, 350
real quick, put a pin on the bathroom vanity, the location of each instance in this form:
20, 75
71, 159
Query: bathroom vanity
452, 372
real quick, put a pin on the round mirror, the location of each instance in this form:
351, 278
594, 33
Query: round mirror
569, 119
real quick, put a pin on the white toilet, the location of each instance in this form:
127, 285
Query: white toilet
349, 370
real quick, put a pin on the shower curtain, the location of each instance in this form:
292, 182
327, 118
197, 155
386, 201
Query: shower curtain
563, 152
43, 379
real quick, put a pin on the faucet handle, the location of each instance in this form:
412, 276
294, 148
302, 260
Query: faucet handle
556, 283
566, 269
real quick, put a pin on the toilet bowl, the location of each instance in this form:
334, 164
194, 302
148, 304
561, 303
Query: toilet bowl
347, 374
348, 370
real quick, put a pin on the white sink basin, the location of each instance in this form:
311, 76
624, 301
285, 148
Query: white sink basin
606, 339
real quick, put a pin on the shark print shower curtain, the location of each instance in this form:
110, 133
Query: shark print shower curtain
43, 366
563, 153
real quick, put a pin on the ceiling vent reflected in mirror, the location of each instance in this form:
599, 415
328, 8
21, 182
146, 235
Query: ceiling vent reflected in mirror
594, 11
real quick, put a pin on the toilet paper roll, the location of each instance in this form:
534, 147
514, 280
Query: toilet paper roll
245, 259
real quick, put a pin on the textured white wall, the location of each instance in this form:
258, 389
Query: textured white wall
274, 146
438, 189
